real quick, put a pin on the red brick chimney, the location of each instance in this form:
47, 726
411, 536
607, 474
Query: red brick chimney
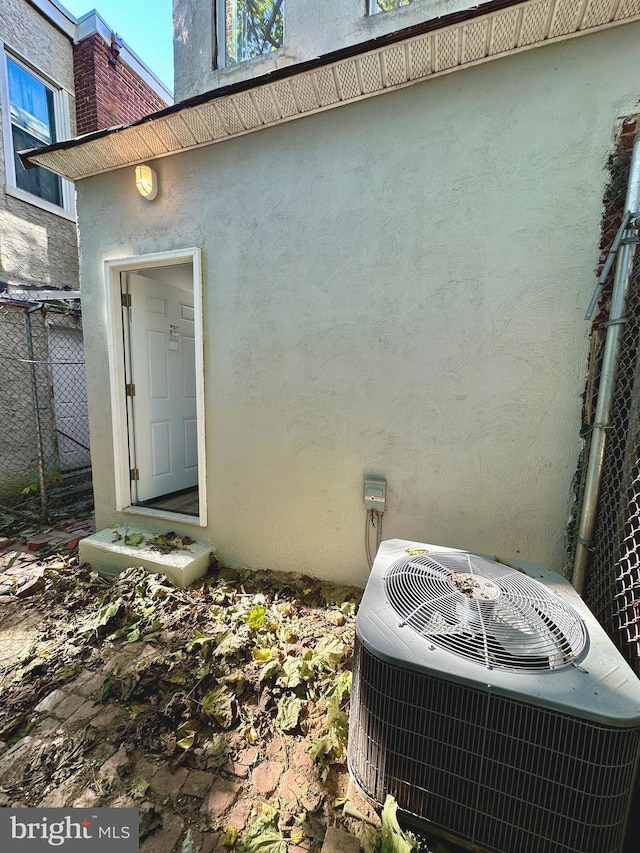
108, 91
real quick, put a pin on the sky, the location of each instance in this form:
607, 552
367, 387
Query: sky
145, 25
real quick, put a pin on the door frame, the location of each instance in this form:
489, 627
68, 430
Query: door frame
116, 346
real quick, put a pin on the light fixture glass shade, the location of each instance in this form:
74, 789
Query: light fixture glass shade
146, 182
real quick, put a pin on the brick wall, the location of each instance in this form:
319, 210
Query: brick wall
108, 93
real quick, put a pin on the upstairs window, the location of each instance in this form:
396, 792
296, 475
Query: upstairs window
32, 112
250, 27
385, 5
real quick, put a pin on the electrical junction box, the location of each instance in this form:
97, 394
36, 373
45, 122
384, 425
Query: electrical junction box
375, 493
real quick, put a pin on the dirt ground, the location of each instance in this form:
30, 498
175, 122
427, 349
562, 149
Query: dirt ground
219, 711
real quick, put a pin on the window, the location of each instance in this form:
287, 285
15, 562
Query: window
385, 5
35, 117
250, 27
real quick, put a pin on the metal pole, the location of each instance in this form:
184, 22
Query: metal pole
606, 389
36, 406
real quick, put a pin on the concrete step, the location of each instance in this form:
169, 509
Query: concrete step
107, 552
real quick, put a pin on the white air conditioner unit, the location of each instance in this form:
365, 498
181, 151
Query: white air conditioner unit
490, 703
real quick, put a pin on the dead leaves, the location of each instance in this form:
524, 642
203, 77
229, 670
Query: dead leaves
264, 835
389, 838
200, 676
288, 716
394, 839
165, 543
218, 704
242, 665
331, 746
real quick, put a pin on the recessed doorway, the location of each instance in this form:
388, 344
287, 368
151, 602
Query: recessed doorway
157, 385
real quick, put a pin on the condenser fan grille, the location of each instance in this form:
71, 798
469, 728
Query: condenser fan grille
485, 611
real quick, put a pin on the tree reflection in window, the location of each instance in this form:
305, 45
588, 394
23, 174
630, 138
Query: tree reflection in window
386, 5
253, 27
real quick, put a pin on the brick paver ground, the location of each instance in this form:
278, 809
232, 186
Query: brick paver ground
223, 799
75, 754
75, 751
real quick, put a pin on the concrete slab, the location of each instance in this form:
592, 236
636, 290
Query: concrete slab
107, 554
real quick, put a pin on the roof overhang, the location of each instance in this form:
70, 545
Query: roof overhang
400, 59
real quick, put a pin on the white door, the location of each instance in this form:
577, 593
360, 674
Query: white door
69, 388
162, 371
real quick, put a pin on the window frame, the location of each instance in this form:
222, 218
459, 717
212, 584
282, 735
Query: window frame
62, 120
220, 39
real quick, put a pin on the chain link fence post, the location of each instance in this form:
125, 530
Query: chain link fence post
45, 465
612, 583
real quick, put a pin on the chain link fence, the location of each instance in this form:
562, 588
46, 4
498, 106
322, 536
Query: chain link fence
44, 452
613, 581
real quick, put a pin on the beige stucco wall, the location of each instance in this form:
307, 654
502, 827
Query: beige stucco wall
311, 29
394, 287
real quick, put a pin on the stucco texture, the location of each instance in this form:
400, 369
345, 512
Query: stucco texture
310, 30
396, 287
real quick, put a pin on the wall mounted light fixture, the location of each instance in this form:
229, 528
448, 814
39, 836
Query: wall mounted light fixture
146, 182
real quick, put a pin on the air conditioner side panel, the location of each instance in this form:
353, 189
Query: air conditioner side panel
499, 773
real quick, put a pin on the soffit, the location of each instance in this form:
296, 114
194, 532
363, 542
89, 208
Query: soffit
322, 85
